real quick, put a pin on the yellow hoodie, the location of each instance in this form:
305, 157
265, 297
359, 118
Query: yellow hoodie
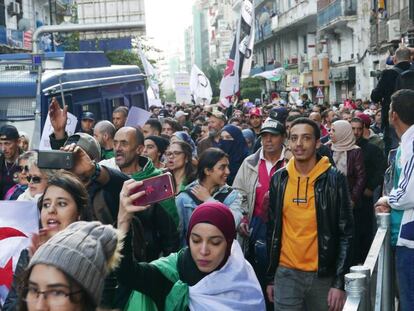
299, 227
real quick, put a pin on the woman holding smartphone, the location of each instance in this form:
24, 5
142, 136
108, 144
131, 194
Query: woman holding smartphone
65, 201
183, 280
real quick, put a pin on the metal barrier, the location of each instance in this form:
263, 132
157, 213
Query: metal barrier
358, 281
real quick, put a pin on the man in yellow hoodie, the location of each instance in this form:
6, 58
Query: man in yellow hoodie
310, 227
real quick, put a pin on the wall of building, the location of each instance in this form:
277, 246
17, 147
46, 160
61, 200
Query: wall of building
110, 11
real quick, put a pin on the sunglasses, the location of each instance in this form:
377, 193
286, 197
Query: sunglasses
23, 168
34, 179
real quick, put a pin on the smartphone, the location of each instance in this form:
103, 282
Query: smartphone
157, 188
55, 159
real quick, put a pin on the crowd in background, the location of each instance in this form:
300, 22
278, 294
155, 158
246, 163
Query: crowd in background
239, 174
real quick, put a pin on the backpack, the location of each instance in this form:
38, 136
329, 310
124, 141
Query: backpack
405, 79
219, 197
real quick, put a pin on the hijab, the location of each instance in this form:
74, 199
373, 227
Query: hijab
345, 141
236, 149
250, 136
232, 286
183, 136
216, 214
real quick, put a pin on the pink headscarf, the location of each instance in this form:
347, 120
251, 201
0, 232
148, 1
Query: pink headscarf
345, 141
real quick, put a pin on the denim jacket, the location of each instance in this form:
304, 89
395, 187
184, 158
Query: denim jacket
186, 205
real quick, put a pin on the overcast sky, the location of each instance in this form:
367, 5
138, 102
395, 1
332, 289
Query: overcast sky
166, 21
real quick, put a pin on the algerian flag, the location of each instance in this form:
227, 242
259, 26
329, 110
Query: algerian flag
272, 75
150, 72
15, 233
200, 85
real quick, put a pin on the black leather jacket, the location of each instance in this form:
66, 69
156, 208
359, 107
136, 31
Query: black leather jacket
335, 224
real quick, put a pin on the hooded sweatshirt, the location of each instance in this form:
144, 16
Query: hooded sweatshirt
299, 230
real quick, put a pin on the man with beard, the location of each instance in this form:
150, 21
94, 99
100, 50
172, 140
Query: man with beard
216, 122
87, 122
129, 145
310, 227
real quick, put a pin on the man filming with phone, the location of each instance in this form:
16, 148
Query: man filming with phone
155, 232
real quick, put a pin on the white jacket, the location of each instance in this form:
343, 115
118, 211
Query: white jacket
402, 198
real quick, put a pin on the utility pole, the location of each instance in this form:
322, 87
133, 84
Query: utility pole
51, 23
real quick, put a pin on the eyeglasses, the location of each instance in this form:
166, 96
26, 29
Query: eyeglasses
54, 297
173, 154
34, 179
23, 168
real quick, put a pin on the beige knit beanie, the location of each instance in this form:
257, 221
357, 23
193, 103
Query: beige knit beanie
86, 251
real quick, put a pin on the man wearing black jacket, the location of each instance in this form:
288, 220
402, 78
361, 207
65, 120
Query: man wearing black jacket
385, 88
310, 228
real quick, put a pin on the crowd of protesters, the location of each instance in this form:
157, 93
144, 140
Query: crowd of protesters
273, 203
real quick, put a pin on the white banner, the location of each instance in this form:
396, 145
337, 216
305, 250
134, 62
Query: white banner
150, 72
200, 86
48, 129
18, 221
182, 88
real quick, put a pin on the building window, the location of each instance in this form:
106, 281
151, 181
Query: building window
305, 44
2, 13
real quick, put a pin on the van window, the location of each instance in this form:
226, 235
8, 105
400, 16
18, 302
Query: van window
94, 107
116, 102
137, 100
17, 109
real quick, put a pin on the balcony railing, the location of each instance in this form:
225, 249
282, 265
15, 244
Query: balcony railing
335, 11
263, 32
294, 14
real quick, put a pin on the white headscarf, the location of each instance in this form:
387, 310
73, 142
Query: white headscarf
345, 141
233, 287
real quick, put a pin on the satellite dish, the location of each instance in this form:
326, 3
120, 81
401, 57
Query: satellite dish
23, 24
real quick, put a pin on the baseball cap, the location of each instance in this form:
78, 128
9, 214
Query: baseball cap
279, 114
87, 115
255, 112
87, 143
9, 132
179, 114
218, 115
272, 126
